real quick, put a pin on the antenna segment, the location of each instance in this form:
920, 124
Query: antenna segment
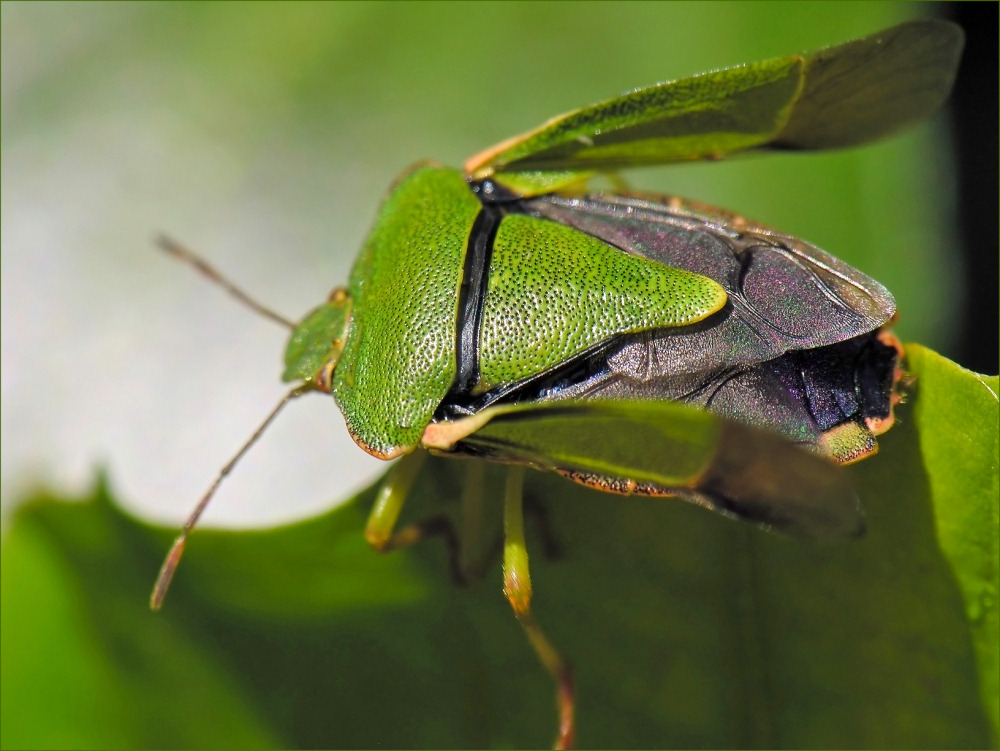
181, 253
177, 549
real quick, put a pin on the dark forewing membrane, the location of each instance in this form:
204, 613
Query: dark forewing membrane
784, 294
795, 350
861, 90
753, 477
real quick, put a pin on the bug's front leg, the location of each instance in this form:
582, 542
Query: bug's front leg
517, 588
380, 531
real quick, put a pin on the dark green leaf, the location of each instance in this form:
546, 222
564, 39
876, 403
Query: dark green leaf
686, 629
957, 420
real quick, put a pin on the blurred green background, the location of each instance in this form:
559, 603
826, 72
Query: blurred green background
265, 135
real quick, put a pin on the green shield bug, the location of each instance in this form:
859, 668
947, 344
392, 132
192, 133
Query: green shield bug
503, 312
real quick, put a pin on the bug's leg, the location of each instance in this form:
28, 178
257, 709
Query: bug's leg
475, 553
517, 588
380, 531
550, 545
482, 541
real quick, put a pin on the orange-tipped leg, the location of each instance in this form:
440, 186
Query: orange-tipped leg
380, 530
517, 588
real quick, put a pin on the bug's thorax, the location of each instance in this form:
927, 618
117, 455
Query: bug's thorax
454, 297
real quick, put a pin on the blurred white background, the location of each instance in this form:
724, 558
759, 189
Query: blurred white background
117, 357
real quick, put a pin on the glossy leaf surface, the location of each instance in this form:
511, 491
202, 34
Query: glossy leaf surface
686, 629
959, 432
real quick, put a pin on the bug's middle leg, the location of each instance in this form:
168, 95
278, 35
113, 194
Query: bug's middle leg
380, 531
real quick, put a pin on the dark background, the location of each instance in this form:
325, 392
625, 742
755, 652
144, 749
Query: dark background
974, 117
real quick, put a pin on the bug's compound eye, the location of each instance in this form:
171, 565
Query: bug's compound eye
338, 296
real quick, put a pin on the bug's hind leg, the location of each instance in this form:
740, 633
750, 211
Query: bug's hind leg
481, 541
381, 533
517, 588
543, 524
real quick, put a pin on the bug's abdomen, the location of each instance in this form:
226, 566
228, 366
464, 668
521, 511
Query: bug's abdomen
838, 397
797, 348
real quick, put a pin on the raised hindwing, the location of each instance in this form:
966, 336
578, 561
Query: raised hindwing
667, 449
839, 96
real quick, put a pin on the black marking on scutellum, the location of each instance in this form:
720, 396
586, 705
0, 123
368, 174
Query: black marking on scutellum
462, 398
475, 276
491, 194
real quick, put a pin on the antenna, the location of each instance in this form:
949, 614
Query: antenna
181, 253
177, 549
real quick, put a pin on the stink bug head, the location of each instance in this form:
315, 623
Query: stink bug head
317, 342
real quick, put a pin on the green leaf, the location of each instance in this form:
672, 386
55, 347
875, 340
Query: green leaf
685, 628
959, 432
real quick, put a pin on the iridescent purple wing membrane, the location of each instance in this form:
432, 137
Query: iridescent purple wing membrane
798, 348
